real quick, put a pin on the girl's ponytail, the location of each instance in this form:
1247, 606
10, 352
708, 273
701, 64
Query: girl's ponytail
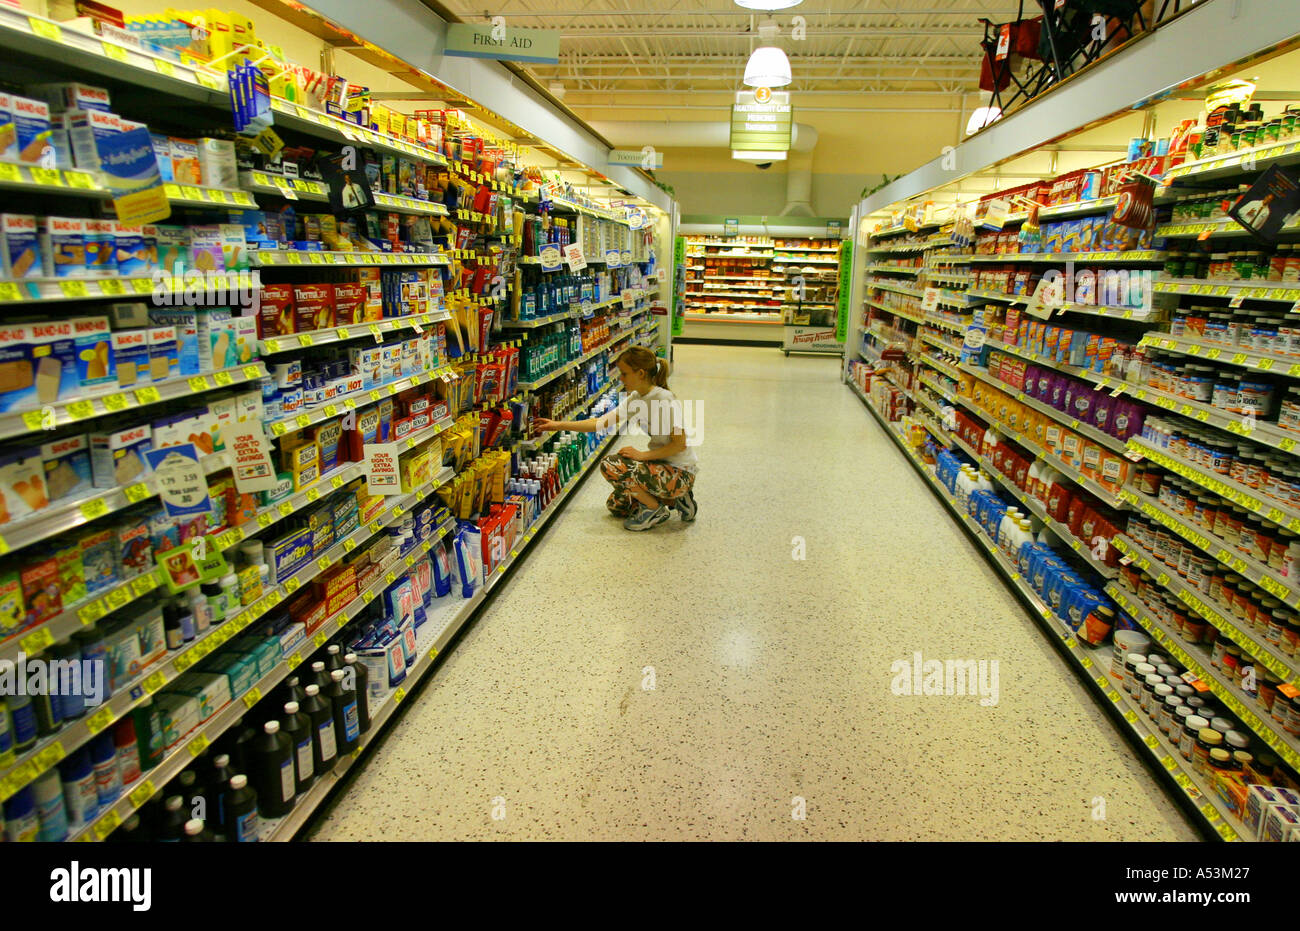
661, 373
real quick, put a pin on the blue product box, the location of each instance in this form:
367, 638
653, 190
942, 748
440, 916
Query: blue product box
134, 257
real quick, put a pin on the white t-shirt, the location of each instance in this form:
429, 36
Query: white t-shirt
659, 414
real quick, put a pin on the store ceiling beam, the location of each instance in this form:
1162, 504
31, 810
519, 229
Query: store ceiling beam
723, 107
1149, 69
685, 32
506, 10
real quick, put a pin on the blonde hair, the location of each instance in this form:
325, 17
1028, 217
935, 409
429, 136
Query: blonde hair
643, 360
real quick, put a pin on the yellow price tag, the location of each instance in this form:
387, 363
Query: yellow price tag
155, 682
142, 585
264, 519
91, 510
162, 66
224, 379
398, 695
303, 420
148, 395
38, 640
90, 613
107, 824
199, 744
349, 544
80, 410
324, 563
321, 639
200, 383
285, 508
253, 696
73, 288
45, 29
115, 52
313, 494
292, 584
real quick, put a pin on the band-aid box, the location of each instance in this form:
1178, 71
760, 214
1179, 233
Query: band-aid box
117, 458
131, 357
173, 248
248, 407
234, 248
245, 339
134, 551
22, 251
85, 129
185, 161
206, 254
63, 247
222, 413
40, 584
101, 249
71, 95
134, 258
164, 353
217, 166
8, 133
95, 367
72, 575
32, 124
185, 323
67, 467
22, 484
217, 339
19, 367
162, 153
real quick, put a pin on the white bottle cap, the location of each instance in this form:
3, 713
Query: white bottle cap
318, 666
337, 675
222, 760
174, 803
332, 649
291, 707
271, 727
193, 827
238, 782
349, 658
312, 690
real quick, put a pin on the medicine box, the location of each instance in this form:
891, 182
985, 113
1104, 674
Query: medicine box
67, 467
117, 457
21, 247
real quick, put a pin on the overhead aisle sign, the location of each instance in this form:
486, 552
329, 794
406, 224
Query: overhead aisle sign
467, 40
761, 121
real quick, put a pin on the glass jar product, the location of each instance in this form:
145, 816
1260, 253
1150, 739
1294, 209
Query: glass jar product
1169, 714
1193, 724
1131, 662
1147, 698
1220, 760
1207, 739
1160, 694
1140, 673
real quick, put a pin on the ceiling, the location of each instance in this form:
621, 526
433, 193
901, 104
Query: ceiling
922, 48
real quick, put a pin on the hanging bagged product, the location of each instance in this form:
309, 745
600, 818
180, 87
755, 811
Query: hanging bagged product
1135, 207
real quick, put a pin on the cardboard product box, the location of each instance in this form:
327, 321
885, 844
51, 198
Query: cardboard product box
67, 467
131, 357
314, 307
179, 715
349, 304
41, 591
217, 165
185, 161
338, 589
63, 247
173, 243
72, 95
99, 559
210, 690
135, 552
72, 576
22, 484
276, 315
239, 669
117, 458
21, 246
290, 553
206, 252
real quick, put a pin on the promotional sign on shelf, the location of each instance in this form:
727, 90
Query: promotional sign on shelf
253, 469
931, 299
551, 258
382, 464
573, 255
996, 215
730, 226
612, 258
842, 298
131, 172
181, 483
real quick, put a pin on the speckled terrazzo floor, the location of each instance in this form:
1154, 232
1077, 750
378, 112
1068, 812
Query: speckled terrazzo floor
772, 675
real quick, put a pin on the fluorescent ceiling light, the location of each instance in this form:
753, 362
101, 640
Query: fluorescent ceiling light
768, 67
759, 156
768, 4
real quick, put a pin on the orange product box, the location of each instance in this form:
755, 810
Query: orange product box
338, 588
1114, 470
1072, 448
1053, 436
308, 610
1091, 466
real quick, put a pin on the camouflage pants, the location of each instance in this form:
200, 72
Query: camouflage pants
663, 481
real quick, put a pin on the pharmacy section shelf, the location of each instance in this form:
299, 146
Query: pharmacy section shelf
1197, 659
163, 289
50, 750
1090, 664
340, 334
1253, 644
440, 630
1286, 291
1265, 434
1132, 257
267, 258
1224, 354
65, 413
1139, 314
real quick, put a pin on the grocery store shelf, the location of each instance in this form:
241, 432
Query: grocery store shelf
912, 270
274, 258
340, 334
64, 413
1218, 614
322, 125
32, 179
1095, 310
1254, 290
1229, 355
951, 258
892, 286
949, 396
943, 344
1242, 495
1234, 163
43, 290
78, 616
453, 617
1197, 660
1266, 434
945, 323
191, 195
564, 369
1221, 228
1134, 256
950, 370
918, 317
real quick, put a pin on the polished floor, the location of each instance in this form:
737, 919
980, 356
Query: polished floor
771, 674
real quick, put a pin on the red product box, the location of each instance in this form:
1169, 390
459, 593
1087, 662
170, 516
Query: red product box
338, 588
276, 314
350, 304
309, 610
313, 307
1074, 514
41, 592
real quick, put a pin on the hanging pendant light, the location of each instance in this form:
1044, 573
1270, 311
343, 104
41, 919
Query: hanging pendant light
768, 4
768, 66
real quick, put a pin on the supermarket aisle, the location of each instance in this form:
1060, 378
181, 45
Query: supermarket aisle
771, 674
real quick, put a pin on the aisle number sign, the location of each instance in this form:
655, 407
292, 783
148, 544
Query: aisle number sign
761, 126
730, 226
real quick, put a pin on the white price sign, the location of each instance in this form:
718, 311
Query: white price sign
253, 469
573, 255
931, 299
382, 462
611, 258
181, 483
